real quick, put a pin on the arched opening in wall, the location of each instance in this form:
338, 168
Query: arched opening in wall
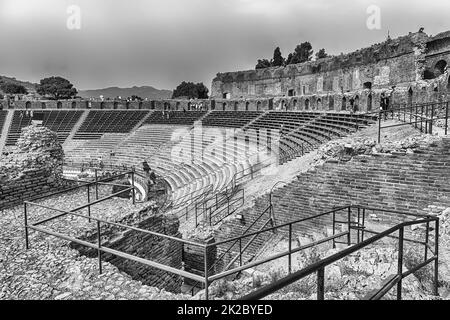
28, 105
307, 104
291, 92
448, 84
127, 105
367, 85
236, 106
102, 105
224, 106
331, 103
59, 105
439, 67
247, 104
294, 104
344, 104
140, 105
177, 106
428, 75
410, 96
258, 106
213, 104
356, 104
115, 105
319, 104
74, 105
369, 102
43, 105
226, 95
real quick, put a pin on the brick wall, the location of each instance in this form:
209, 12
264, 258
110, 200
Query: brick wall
33, 183
161, 250
402, 182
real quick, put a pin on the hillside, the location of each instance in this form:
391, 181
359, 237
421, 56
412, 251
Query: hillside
112, 92
31, 87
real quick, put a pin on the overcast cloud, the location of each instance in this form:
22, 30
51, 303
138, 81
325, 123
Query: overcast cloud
163, 42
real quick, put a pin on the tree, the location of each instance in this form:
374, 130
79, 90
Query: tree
302, 53
262, 64
191, 90
321, 54
278, 59
56, 88
13, 88
135, 98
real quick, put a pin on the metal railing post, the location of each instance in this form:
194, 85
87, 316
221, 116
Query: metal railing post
321, 284
25, 214
290, 249
349, 223
99, 245
436, 261
427, 235
334, 227
379, 127
96, 184
133, 190
240, 252
446, 118
400, 262
89, 201
206, 274
363, 223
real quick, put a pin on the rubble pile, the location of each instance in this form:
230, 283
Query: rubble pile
37, 149
345, 149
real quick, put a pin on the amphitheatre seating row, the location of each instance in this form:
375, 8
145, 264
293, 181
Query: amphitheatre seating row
60, 121
192, 159
109, 121
233, 119
175, 117
3, 115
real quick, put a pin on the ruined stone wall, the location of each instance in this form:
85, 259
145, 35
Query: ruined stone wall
150, 247
33, 169
406, 182
394, 64
390, 63
172, 104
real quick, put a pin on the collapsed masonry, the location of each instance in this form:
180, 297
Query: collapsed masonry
33, 168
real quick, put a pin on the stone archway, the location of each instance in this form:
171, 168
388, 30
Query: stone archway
369, 102
344, 104
439, 68
307, 102
331, 103
410, 96
356, 104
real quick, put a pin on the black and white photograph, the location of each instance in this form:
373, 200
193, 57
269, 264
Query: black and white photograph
224, 156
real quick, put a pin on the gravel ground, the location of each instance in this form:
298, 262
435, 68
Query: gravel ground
51, 270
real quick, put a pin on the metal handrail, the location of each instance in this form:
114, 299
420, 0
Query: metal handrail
320, 265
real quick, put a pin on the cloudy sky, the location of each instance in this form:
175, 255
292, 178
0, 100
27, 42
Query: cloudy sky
163, 42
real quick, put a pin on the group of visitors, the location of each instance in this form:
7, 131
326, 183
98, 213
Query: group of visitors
149, 173
28, 113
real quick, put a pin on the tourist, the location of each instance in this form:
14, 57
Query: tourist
146, 167
152, 177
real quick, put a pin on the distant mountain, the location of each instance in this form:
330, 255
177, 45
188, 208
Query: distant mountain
31, 87
112, 92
